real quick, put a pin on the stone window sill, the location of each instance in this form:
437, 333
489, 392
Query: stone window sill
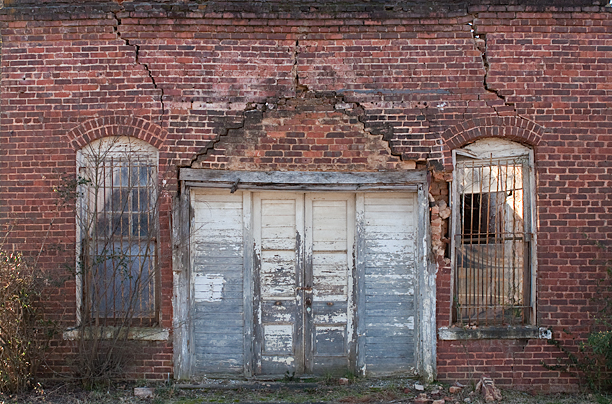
134, 333
523, 332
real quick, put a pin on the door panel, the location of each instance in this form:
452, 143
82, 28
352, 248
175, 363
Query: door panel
217, 279
303, 245
278, 225
389, 255
328, 328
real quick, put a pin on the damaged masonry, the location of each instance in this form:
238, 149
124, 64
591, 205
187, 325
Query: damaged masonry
412, 188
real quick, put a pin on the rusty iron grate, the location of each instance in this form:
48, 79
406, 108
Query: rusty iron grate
492, 246
119, 274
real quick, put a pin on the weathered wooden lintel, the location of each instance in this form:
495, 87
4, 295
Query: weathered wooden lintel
303, 180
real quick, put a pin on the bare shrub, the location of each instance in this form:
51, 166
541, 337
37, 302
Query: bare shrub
116, 199
24, 335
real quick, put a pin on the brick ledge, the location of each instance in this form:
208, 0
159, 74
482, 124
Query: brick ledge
523, 332
134, 333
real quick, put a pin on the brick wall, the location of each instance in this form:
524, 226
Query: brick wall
302, 134
364, 86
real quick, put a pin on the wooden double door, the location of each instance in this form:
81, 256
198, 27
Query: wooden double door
304, 282
304, 297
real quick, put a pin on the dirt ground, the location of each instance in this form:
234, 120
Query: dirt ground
363, 391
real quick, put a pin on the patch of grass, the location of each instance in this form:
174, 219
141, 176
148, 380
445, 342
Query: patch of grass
362, 391
603, 399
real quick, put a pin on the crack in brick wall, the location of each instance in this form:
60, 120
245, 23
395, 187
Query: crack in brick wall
480, 42
299, 88
116, 29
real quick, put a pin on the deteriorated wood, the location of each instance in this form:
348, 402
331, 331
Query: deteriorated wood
426, 298
329, 271
302, 180
248, 287
180, 261
360, 264
217, 280
388, 267
278, 227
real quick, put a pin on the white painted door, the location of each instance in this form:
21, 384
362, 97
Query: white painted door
303, 282
388, 282
217, 264
317, 282
329, 272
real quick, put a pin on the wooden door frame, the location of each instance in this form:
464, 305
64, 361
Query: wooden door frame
425, 323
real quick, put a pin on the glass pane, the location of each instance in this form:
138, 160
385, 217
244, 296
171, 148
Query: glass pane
120, 176
140, 225
146, 176
144, 199
118, 201
102, 224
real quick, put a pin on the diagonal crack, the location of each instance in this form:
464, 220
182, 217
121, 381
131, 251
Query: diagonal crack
138, 62
480, 41
299, 88
358, 111
236, 125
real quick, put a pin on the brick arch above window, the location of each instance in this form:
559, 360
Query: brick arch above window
98, 128
512, 128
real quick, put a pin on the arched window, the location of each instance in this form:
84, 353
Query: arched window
117, 224
493, 233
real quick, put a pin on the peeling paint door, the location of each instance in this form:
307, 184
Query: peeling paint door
217, 281
387, 282
328, 328
278, 299
303, 282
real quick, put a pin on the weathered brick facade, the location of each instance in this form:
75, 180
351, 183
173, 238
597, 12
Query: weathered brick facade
320, 86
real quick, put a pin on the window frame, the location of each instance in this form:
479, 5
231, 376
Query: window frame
496, 149
118, 149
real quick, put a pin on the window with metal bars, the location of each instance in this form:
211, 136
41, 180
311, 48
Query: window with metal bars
493, 265
118, 227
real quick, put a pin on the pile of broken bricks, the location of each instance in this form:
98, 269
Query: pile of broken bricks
485, 387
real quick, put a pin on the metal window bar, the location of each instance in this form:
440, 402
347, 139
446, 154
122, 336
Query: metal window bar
120, 273
491, 285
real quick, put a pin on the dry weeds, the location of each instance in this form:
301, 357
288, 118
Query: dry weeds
359, 391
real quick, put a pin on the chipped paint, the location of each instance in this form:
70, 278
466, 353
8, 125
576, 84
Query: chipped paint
209, 287
278, 338
286, 360
332, 318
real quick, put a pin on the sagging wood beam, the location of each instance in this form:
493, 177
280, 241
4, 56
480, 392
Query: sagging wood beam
303, 180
